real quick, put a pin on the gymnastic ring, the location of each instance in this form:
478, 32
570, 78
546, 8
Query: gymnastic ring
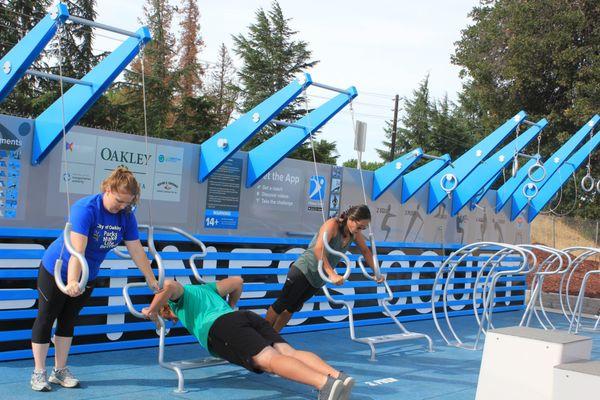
530, 190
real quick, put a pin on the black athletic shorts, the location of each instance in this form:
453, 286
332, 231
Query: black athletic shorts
240, 335
296, 291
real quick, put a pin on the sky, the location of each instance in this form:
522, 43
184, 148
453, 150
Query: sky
382, 47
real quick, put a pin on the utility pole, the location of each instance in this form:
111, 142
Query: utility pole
394, 127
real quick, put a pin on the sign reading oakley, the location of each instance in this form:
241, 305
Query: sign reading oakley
91, 158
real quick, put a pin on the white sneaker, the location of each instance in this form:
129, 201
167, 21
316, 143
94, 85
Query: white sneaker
39, 381
63, 377
348, 382
332, 390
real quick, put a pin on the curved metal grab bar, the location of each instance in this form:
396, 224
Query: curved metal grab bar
334, 252
85, 271
159, 261
449, 268
376, 269
128, 301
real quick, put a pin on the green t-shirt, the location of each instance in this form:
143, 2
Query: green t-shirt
198, 308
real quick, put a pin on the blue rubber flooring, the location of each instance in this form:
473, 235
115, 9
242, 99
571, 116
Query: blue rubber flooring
403, 370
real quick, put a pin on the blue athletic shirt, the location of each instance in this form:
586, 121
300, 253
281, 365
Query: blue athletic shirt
103, 229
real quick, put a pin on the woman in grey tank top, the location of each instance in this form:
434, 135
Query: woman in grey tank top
303, 280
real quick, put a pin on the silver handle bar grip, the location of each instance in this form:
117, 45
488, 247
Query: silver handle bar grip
155, 255
334, 252
121, 254
138, 314
376, 269
128, 301
192, 259
85, 271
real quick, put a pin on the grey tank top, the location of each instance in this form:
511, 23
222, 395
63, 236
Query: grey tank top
307, 262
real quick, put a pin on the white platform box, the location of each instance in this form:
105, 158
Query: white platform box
579, 380
518, 362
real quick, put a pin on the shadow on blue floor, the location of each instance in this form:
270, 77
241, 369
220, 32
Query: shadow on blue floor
402, 371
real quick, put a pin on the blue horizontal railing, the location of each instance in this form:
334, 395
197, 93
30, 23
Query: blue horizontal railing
30, 294
419, 270
8, 315
85, 330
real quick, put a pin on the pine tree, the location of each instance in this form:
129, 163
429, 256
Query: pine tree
437, 126
193, 116
222, 88
367, 166
325, 152
272, 57
191, 43
386, 152
160, 82
415, 126
449, 132
17, 18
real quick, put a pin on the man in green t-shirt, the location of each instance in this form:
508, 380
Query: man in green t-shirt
243, 337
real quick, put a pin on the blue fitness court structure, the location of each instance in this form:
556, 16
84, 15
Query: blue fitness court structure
452, 307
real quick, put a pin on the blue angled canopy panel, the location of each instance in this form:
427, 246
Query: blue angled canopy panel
79, 98
416, 179
560, 177
15, 63
466, 163
552, 164
216, 150
269, 153
481, 194
505, 192
490, 168
386, 175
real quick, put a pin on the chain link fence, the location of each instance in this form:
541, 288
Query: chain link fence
563, 232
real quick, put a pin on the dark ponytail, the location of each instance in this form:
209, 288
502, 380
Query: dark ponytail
355, 213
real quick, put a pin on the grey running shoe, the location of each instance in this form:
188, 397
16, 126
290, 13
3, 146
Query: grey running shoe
64, 377
348, 382
332, 390
39, 381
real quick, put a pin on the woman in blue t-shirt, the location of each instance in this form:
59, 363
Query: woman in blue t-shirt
99, 223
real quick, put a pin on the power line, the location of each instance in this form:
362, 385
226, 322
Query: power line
353, 102
387, 96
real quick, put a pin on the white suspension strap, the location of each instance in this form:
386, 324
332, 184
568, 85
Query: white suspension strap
588, 182
150, 226
360, 139
538, 166
325, 238
68, 227
515, 164
141, 52
314, 154
574, 205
